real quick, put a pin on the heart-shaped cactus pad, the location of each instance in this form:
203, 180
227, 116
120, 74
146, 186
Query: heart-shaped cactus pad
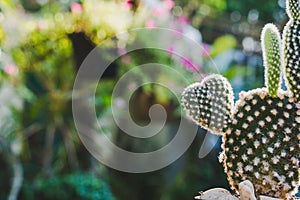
209, 103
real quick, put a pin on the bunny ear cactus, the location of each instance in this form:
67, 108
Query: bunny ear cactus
291, 43
210, 103
272, 54
261, 133
293, 9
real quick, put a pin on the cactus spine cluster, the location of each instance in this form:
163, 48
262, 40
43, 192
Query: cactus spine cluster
291, 42
261, 132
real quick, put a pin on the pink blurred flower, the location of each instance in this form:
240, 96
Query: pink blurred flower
170, 50
205, 50
127, 4
76, 8
189, 65
169, 4
126, 59
183, 20
121, 51
150, 23
42, 24
10, 69
160, 12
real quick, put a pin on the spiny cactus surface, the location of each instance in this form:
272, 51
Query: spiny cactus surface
261, 134
272, 55
291, 43
210, 103
261, 143
293, 9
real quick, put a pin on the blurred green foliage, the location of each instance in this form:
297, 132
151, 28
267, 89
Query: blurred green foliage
43, 57
216, 4
75, 186
267, 9
223, 44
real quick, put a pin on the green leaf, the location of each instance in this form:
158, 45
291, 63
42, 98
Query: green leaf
217, 4
7, 3
223, 44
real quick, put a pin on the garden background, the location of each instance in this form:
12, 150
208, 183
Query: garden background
44, 42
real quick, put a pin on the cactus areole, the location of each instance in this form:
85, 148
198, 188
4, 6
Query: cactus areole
261, 132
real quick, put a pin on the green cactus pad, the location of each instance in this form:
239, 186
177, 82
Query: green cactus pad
271, 48
293, 9
291, 45
209, 103
262, 143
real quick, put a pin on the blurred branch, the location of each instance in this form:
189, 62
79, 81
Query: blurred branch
48, 153
70, 147
5, 148
17, 179
32, 129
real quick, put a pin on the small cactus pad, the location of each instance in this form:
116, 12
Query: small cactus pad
291, 45
262, 143
271, 46
293, 9
209, 103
